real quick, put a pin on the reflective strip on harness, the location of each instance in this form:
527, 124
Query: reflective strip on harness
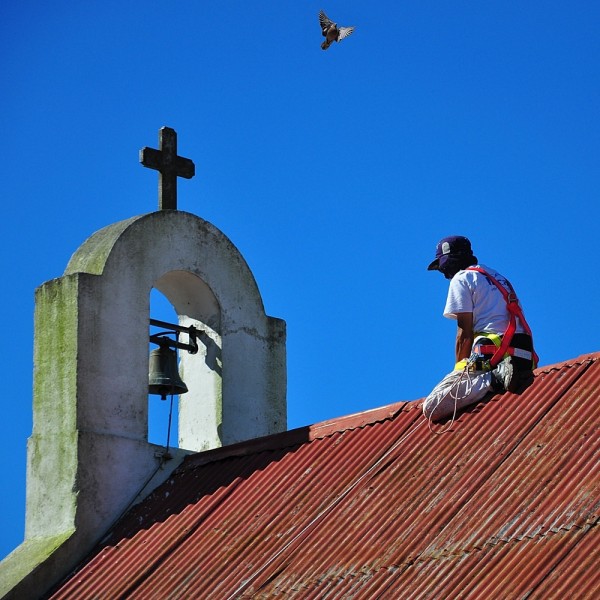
520, 353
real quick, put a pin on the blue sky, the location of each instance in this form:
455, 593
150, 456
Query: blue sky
334, 173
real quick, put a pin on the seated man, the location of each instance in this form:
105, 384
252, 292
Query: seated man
494, 347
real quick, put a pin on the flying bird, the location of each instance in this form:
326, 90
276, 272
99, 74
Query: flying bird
331, 32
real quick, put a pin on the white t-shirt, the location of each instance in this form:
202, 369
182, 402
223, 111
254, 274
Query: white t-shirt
471, 291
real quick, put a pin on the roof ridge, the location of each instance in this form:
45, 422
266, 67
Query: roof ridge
299, 435
359, 419
581, 359
323, 429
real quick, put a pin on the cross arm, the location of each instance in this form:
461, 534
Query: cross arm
154, 159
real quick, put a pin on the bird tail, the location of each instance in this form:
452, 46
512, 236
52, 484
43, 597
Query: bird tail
325, 44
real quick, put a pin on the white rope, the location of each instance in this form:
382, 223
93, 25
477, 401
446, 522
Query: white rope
456, 396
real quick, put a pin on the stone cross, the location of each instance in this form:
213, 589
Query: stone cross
169, 165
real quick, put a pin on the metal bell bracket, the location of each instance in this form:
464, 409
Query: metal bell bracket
161, 339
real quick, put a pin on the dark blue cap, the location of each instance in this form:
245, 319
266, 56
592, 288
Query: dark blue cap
454, 245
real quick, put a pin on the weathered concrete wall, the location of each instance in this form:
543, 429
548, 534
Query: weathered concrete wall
88, 456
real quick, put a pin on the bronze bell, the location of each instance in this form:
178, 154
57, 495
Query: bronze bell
163, 373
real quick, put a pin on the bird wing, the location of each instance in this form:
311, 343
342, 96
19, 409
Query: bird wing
325, 21
344, 32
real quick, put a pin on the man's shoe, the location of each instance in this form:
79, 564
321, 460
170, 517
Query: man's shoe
503, 375
508, 377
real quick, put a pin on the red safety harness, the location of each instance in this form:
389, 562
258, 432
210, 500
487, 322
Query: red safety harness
515, 312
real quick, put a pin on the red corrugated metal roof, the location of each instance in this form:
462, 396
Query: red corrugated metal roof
375, 505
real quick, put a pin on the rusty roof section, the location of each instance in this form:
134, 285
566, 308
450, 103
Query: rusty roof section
375, 505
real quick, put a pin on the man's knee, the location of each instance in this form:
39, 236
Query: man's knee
437, 408
454, 393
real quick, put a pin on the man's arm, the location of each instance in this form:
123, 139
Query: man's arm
464, 335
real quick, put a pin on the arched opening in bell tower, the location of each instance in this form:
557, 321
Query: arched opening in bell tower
162, 415
183, 298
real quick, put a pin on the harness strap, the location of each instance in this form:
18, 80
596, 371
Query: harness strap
518, 352
515, 312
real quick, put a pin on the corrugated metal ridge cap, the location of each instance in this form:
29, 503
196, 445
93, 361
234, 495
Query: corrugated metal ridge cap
360, 419
580, 360
309, 433
300, 435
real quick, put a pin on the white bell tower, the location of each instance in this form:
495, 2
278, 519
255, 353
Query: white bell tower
89, 455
